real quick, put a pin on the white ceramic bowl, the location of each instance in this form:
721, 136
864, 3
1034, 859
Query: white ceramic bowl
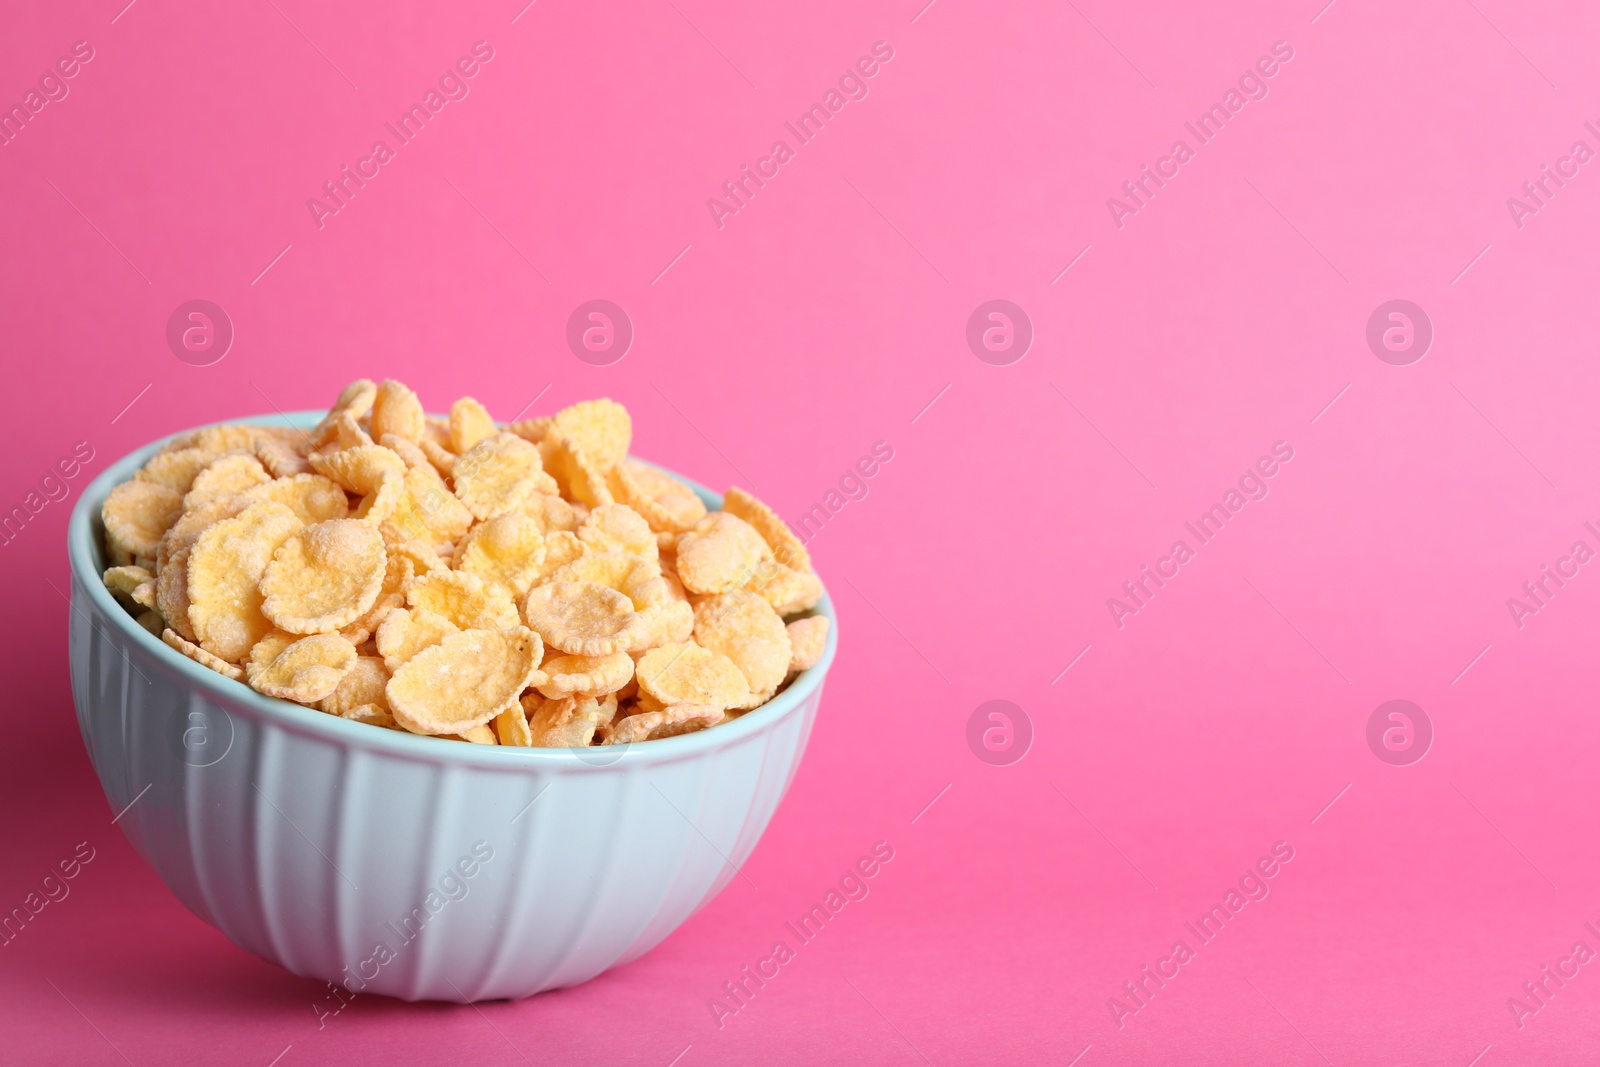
409, 866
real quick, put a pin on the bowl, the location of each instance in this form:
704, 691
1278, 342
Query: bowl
410, 866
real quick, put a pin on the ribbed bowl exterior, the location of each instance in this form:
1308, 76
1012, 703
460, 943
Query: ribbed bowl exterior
411, 867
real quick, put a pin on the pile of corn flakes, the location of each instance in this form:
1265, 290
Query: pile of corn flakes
528, 585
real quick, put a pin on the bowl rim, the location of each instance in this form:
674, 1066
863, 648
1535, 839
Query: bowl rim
84, 557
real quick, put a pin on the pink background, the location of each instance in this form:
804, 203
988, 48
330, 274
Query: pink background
1223, 317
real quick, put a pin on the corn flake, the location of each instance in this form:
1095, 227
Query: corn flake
583, 618
602, 429
362, 685
396, 410
470, 422
499, 474
312, 497
722, 552
224, 572
618, 528
670, 721
507, 551
666, 504
808, 638
744, 628
465, 680
324, 577
201, 656
685, 673
404, 632
358, 469
786, 547
465, 599
308, 670
585, 675
136, 514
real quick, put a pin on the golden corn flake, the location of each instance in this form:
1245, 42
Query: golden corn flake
175, 470
560, 548
532, 430
808, 638
372, 715
668, 722
498, 474
172, 559
264, 651
602, 429
636, 578
470, 422
575, 473
562, 723
216, 440
405, 632
787, 590
201, 656
465, 680
407, 450
507, 551
362, 684
421, 554
307, 671
585, 675
358, 469
396, 410
224, 571
618, 528
744, 628
583, 618
551, 513
151, 621
136, 514
381, 505
477, 735
356, 399
397, 575
324, 577
722, 552
441, 513
280, 458
666, 504
122, 581
312, 497
439, 457
685, 673
465, 599
144, 594
786, 547
511, 726
226, 475
671, 623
